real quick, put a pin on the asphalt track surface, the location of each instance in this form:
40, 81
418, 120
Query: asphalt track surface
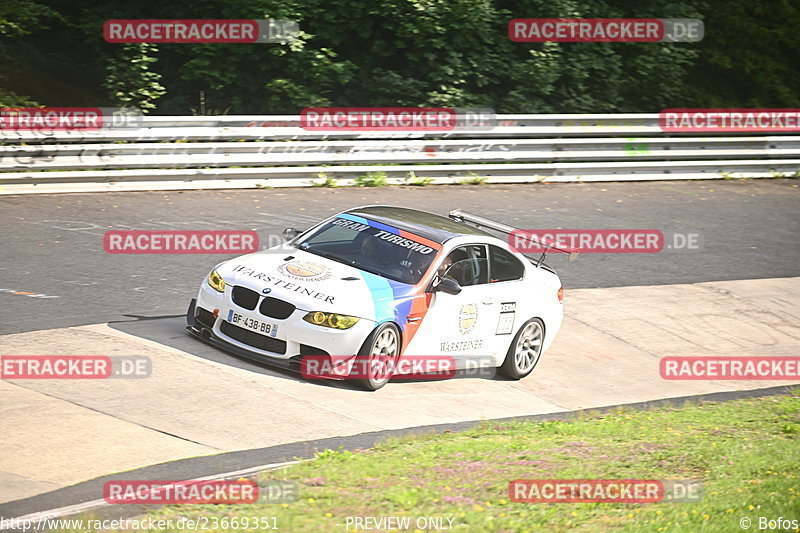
52, 244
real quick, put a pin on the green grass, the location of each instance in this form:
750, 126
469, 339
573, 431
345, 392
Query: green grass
779, 175
415, 181
327, 181
371, 179
746, 452
472, 179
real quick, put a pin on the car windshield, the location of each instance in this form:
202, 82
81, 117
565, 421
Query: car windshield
378, 249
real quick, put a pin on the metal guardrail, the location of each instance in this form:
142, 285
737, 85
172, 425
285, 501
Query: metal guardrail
272, 150
258, 153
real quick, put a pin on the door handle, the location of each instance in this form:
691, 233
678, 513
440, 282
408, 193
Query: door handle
487, 301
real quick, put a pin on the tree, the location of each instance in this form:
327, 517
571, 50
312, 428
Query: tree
453, 53
749, 57
19, 18
129, 79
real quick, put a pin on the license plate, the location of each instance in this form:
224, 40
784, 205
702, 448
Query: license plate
258, 326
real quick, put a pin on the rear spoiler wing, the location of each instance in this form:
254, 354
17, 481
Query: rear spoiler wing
546, 244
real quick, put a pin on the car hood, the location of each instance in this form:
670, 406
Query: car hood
314, 283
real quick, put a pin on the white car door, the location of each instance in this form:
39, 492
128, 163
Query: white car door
461, 325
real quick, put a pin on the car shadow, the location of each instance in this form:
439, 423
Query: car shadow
171, 331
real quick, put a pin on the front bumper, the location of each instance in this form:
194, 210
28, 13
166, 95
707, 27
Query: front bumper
207, 335
297, 337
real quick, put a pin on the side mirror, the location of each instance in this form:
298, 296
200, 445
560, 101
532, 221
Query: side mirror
290, 233
448, 285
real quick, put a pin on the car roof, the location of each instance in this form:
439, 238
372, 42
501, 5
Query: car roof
428, 225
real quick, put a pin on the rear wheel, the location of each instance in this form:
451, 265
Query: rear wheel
525, 351
377, 359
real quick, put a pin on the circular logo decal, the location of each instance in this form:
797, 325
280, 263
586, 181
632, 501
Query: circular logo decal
467, 318
305, 270
267, 290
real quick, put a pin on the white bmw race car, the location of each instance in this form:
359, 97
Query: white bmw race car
384, 283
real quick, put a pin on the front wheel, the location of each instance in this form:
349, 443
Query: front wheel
526, 350
377, 359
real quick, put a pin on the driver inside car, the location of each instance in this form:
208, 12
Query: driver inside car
444, 270
371, 250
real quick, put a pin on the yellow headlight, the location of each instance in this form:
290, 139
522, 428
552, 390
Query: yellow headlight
216, 281
331, 320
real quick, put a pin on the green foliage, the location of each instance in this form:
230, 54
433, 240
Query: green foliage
18, 18
330, 454
472, 179
414, 181
22, 17
371, 179
11, 99
791, 427
452, 53
327, 181
749, 55
129, 79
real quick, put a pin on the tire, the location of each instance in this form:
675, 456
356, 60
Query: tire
381, 349
524, 353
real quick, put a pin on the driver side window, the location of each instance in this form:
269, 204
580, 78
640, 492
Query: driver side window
468, 265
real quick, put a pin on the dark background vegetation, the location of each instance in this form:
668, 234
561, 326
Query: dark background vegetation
400, 52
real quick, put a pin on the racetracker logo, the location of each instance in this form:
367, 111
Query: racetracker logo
586, 490
605, 30
378, 118
621, 241
397, 118
605, 241
199, 492
729, 120
230, 492
409, 367
200, 31
180, 242
755, 368
67, 118
604, 490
